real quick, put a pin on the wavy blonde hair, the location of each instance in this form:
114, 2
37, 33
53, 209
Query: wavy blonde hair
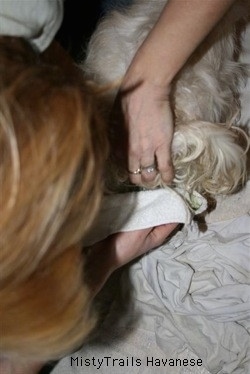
53, 145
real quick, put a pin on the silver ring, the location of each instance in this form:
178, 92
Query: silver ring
149, 169
136, 172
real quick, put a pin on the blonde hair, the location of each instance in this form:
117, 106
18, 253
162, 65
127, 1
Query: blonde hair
53, 146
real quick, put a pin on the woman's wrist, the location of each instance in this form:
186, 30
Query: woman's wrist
144, 72
138, 80
100, 263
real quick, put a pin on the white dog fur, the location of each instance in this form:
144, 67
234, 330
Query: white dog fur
206, 149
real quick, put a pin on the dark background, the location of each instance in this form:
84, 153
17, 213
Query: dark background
80, 18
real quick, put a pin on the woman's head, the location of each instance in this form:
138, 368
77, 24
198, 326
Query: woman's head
53, 146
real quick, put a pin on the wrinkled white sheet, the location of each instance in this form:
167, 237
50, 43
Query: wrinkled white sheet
207, 275
202, 295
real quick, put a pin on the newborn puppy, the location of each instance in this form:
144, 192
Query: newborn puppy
207, 151
53, 146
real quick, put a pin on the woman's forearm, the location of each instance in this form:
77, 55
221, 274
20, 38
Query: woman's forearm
182, 26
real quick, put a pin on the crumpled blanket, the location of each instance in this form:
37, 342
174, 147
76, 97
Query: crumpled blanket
202, 294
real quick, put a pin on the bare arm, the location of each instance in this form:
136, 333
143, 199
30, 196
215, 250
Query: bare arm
182, 26
119, 249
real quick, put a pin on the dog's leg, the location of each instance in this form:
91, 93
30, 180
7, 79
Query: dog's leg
208, 159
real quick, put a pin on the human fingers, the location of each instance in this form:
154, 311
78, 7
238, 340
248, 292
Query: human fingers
149, 167
150, 142
141, 155
146, 172
164, 163
132, 244
163, 151
159, 234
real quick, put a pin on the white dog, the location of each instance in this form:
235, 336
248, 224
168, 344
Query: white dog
206, 150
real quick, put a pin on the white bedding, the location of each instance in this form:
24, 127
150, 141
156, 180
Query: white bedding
189, 299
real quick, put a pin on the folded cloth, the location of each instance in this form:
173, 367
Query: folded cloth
207, 275
143, 209
202, 294
35, 20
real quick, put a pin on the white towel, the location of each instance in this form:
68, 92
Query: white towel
140, 210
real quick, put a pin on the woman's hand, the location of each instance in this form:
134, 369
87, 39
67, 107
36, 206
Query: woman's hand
149, 123
105, 257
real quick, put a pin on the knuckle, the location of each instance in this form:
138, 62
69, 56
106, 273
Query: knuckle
134, 152
135, 179
148, 177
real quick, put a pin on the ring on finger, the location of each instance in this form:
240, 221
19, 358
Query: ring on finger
149, 169
135, 172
